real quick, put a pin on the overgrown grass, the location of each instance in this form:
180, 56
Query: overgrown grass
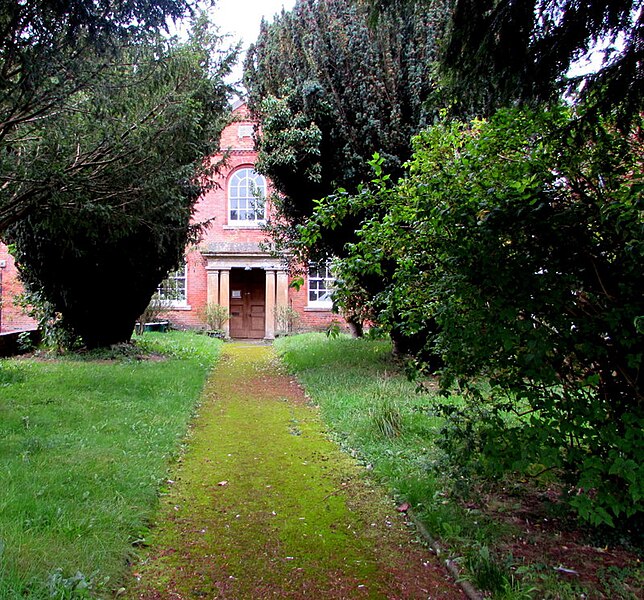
85, 442
378, 416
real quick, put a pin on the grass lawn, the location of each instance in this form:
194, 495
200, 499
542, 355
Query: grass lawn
377, 415
85, 443
508, 538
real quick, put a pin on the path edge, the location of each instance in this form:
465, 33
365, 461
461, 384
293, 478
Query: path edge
468, 589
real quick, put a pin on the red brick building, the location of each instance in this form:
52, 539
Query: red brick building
228, 267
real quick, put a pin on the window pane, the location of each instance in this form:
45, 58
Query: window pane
320, 283
244, 188
173, 287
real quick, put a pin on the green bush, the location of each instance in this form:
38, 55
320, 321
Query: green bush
512, 255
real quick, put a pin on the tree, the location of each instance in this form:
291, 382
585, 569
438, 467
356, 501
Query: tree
501, 52
50, 52
512, 249
119, 167
523, 241
329, 91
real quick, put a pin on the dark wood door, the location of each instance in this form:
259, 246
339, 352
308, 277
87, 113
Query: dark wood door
247, 303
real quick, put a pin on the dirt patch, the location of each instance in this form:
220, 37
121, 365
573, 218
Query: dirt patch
544, 545
265, 506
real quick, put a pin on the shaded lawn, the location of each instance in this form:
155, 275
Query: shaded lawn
84, 445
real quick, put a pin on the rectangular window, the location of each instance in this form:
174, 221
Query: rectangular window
173, 290
320, 285
244, 131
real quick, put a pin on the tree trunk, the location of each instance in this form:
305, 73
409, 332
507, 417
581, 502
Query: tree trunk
355, 327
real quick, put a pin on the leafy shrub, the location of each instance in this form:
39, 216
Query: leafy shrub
216, 316
512, 253
286, 319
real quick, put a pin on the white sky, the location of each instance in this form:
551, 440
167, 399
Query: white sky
241, 19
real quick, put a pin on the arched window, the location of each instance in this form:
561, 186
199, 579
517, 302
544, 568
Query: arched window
246, 197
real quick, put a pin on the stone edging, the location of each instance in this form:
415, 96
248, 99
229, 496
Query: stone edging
466, 586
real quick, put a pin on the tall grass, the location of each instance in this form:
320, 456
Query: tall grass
84, 445
371, 408
377, 415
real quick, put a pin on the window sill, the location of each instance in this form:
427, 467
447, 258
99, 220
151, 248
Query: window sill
179, 307
318, 308
256, 225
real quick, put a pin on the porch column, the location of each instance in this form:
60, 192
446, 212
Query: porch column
224, 295
270, 305
212, 296
282, 288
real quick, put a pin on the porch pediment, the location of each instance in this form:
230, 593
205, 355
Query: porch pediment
227, 255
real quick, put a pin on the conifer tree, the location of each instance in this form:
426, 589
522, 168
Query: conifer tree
330, 90
107, 181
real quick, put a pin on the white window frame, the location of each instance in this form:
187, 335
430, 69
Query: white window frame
244, 197
244, 130
320, 283
180, 275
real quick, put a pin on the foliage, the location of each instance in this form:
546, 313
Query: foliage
215, 316
501, 52
50, 54
329, 91
523, 243
286, 319
85, 444
122, 166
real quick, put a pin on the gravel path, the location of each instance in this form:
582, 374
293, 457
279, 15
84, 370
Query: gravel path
263, 505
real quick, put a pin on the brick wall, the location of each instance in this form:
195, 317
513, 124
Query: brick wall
311, 319
12, 317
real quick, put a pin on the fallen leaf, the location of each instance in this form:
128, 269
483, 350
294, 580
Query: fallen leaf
404, 507
223, 483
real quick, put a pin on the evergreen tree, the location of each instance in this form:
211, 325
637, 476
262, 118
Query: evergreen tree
116, 171
330, 90
504, 52
49, 52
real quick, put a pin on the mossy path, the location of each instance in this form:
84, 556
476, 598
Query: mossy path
263, 505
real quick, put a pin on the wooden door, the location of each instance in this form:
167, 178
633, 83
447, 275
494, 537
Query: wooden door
247, 303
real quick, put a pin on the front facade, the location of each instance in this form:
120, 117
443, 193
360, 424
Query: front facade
230, 266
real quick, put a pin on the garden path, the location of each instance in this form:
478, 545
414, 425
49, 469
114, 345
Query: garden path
263, 505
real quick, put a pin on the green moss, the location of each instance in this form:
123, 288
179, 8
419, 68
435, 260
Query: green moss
294, 516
